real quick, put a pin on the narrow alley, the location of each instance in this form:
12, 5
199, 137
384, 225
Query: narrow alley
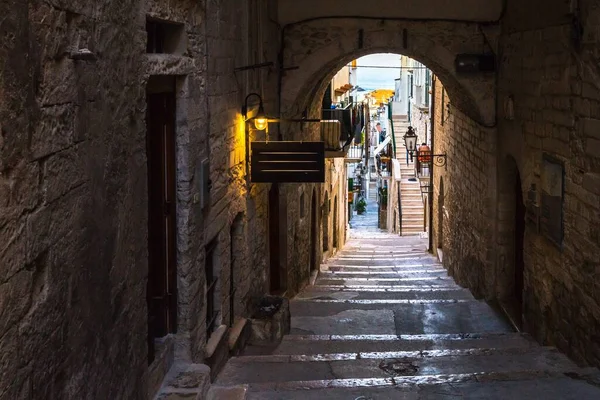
283, 199
385, 321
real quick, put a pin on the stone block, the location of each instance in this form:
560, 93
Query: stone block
55, 130
63, 171
272, 321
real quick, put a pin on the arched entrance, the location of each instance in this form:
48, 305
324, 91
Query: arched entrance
314, 232
318, 60
511, 231
274, 242
325, 220
335, 223
519, 259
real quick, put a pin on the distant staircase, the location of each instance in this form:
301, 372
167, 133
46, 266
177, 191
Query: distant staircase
413, 209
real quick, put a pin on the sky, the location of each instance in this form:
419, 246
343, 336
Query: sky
378, 78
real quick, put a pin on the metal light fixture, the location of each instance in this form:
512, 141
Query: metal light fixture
410, 141
260, 119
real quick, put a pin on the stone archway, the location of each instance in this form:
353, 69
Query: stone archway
320, 48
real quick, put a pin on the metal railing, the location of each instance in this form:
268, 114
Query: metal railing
355, 151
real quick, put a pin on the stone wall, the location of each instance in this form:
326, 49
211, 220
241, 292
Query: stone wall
554, 85
72, 202
468, 195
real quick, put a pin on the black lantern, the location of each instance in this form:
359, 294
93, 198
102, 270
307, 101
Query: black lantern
410, 141
260, 119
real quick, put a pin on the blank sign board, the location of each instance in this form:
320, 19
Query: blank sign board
281, 162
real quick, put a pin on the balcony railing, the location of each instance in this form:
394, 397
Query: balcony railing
355, 152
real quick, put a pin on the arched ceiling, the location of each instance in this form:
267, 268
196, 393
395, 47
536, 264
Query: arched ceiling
291, 11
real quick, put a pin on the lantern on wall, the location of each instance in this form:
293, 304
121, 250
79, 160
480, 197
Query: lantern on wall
410, 141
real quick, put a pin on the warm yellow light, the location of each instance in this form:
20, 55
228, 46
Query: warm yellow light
260, 123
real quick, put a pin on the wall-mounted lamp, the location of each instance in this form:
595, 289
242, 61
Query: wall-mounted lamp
426, 158
260, 119
410, 141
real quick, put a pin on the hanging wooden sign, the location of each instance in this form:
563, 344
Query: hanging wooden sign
287, 162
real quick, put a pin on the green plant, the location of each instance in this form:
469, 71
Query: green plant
361, 206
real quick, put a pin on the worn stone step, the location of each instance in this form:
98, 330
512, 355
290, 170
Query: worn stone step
343, 255
328, 292
286, 368
398, 260
365, 270
393, 319
415, 273
414, 281
324, 344
519, 385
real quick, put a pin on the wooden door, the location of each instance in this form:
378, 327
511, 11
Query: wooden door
160, 140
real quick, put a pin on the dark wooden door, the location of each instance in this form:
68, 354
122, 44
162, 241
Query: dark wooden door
274, 251
519, 248
160, 140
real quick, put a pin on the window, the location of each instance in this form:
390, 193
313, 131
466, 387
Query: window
212, 313
164, 37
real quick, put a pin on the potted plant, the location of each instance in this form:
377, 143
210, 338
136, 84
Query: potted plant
361, 206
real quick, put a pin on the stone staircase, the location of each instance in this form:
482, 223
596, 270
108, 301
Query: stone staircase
384, 321
413, 209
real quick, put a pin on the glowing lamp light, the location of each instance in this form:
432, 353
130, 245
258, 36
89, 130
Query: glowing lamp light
260, 119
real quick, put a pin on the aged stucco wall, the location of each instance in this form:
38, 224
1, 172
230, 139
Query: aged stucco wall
556, 111
72, 222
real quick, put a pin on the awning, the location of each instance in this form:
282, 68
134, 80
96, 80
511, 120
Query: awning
382, 145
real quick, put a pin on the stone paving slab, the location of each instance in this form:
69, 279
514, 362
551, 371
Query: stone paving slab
552, 388
261, 369
369, 294
314, 344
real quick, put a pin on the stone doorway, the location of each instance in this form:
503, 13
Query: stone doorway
314, 232
519, 260
275, 285
335, 223
510, 283
160, 148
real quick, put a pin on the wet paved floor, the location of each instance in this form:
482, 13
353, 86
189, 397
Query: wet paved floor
384, 321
